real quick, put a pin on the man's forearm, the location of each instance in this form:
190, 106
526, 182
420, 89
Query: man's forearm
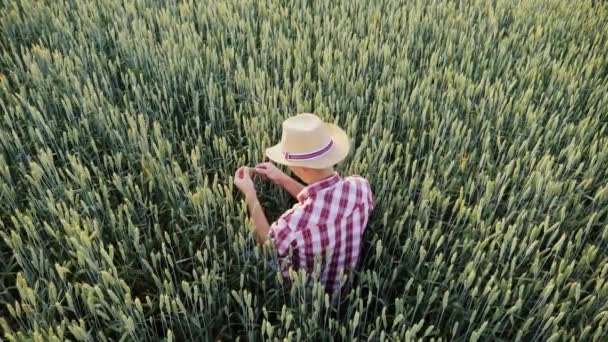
258, 217
291, 185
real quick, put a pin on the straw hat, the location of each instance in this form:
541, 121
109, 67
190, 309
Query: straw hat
309, 142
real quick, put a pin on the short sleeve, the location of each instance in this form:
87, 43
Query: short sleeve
283, 236
368, 193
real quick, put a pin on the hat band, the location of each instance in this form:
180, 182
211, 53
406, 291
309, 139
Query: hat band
310, 155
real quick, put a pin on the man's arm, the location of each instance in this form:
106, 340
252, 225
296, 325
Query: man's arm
258, 217
291, 185
271, 172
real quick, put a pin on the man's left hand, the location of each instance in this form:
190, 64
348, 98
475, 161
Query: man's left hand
242, 180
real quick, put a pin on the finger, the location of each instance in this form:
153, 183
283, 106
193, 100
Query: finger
247, 172
261, 171
240, 172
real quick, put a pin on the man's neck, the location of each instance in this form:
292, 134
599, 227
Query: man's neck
321, 176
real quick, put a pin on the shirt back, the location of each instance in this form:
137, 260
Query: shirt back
327, 224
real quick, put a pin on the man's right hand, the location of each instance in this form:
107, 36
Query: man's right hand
269, 171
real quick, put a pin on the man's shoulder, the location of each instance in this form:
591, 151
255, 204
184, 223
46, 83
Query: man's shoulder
356, 179
361, 183
293, 214
295, 209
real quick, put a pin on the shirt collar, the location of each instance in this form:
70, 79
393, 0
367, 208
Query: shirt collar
314, 188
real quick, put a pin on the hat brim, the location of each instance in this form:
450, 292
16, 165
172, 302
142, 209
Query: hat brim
338, 152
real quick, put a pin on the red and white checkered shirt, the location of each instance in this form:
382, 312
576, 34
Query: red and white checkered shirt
328, 222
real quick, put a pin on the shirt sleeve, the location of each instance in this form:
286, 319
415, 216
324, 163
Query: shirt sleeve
283, 236
370, 198
369, 194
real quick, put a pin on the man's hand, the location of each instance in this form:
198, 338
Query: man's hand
242, 180
269, 171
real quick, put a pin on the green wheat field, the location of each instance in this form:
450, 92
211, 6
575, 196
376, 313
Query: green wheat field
482, 126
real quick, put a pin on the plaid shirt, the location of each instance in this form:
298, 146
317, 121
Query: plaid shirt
328, 223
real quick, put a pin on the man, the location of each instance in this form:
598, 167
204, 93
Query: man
328, 222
